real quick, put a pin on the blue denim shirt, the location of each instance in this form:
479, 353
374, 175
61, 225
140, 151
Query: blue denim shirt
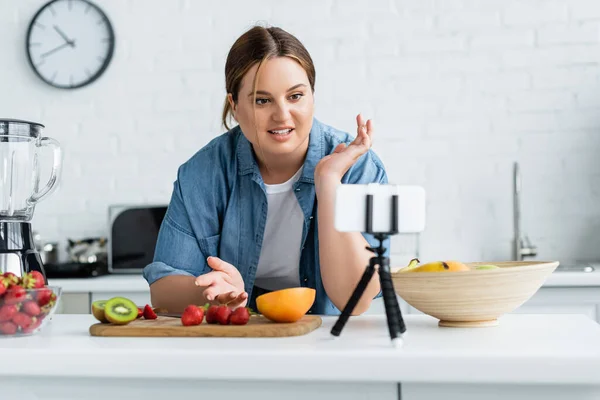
219, 208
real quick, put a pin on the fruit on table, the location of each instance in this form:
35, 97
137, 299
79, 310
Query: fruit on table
222, 315
98, 310
148, 312
441, 266
239, 316
286, 305
24, 302
120, 310
414, 263
486, 266
211, 314
192, 315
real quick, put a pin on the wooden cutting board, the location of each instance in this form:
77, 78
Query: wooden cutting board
257, 326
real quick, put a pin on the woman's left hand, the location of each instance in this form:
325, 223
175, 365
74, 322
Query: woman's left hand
335, 165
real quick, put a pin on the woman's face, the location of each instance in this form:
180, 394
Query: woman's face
280, 121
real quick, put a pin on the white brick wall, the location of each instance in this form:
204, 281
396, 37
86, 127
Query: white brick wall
459, 89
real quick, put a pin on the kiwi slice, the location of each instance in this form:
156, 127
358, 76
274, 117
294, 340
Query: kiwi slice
120, 310
98, 310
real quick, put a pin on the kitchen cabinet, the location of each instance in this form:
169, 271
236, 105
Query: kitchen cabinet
558, 300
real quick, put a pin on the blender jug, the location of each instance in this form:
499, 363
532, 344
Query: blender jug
20, 144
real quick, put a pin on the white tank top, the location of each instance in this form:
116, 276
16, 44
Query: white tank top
278, 266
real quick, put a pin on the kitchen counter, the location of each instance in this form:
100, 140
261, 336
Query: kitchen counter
102, 284
557, 356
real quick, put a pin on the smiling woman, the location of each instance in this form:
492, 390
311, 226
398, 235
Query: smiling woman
253, 210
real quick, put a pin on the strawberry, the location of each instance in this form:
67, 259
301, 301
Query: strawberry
14, 295
35, 323
3, 287
31, 308
192, 315
211, 314
239, 316
10, 279
22, 320
33, 280
7, 312
140, 313
149, 312
222, 315
8, 328
44, 296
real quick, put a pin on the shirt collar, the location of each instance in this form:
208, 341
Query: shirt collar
247, 163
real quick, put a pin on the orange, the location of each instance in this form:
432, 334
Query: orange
286, 305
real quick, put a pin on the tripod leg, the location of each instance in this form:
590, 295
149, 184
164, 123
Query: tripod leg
392, 308
356, 295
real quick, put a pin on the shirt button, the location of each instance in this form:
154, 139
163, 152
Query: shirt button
297, 189
311, 217
305, 279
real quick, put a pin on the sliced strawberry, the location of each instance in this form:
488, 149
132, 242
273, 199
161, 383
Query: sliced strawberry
7, 311
8, 328
149, 312
140, 313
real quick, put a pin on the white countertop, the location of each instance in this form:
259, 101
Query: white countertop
105, 283
557, 349
136, 283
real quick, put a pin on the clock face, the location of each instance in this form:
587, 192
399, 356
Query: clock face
70, 43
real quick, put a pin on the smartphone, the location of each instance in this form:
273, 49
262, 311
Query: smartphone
351, 208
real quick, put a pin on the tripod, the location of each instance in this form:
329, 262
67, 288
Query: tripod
392, 309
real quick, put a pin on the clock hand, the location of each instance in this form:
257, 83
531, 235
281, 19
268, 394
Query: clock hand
54, 49
62, 34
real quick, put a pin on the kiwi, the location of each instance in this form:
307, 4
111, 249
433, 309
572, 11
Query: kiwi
98, 310
120, 310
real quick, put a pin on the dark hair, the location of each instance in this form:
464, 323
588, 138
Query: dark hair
255, 46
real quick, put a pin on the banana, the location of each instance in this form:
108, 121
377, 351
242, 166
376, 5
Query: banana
414, 263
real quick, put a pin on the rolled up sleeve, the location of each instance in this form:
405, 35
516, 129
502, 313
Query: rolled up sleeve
177, 251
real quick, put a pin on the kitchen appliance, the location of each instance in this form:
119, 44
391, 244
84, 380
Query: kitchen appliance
133, 232
20, 146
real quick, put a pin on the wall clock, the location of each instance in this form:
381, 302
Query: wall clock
70, 43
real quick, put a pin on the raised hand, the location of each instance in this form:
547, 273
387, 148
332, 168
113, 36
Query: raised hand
335, 165
223, 284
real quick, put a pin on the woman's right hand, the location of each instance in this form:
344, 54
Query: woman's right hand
223, 284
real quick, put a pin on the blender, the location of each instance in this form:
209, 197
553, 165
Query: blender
20, 146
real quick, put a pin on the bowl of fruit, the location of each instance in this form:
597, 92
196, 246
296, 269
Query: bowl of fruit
470, 294
26, 303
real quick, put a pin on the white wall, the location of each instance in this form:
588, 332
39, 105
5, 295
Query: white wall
458, 89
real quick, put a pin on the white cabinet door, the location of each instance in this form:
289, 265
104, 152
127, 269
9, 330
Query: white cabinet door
556, 300
139, 298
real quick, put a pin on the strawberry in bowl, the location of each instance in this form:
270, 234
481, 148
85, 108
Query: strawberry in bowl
26, 303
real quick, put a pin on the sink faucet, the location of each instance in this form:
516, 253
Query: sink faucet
522, 246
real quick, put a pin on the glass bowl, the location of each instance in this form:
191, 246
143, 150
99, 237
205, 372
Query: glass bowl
25, 312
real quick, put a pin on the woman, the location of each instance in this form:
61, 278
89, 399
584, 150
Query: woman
253, 210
